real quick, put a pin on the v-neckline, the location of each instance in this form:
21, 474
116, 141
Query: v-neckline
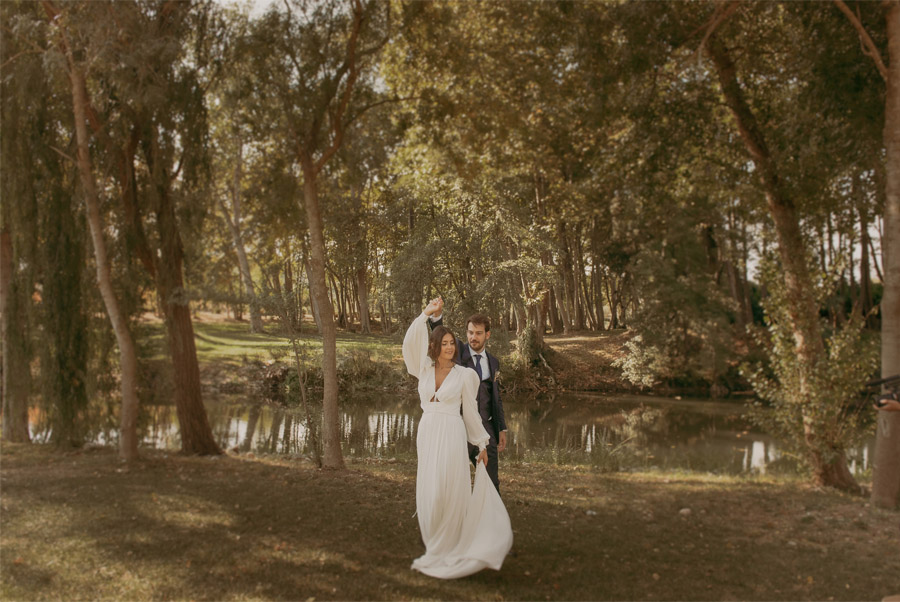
449, 372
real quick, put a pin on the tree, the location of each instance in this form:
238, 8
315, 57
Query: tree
319, 64
127, 354
826, 457
231, 128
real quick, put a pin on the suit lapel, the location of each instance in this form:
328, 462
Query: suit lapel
465, 355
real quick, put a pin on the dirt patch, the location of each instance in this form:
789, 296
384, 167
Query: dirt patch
583, 361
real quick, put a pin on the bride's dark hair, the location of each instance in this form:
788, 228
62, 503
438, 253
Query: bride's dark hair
434, 342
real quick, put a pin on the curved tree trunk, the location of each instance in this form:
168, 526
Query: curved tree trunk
127, 353
886, 478
828, 470
331, 427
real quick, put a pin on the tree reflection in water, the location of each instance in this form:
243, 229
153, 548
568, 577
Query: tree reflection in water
609, 433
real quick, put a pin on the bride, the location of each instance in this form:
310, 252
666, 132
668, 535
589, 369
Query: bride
465, 529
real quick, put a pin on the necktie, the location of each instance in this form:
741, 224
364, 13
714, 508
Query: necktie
477, 358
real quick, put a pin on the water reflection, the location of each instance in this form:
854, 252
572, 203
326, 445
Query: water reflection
613, 433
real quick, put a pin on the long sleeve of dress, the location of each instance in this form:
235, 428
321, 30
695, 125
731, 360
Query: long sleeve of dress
415, 346
475, 432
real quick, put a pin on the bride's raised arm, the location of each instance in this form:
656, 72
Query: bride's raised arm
415, 343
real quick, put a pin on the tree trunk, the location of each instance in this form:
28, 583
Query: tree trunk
331, 426
290, 300
234, 220
313, 306
14, 394
612, 299
802, 308
886, 478
128, 442
597, 294
196, 434
568, 307
555, 321
362, 290
865, 280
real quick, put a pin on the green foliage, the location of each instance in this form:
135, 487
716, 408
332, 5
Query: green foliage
819, 406
684, 334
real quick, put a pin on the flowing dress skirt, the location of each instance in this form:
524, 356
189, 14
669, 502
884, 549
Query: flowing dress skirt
465, 530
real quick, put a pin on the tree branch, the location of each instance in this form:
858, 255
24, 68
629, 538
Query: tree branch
384, 101
63, 155
719, 16
869, 48
337, 126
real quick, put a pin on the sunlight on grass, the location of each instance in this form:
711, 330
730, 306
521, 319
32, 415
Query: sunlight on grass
230, 342
75, 526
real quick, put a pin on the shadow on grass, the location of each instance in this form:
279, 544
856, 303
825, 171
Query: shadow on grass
242, 527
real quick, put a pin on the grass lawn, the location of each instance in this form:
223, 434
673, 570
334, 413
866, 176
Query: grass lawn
223, 346
83, 526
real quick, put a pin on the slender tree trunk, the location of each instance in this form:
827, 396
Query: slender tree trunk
289, 301
234, 220
597, 294
362, 290
828, 469
331, 426
886, 478
734, 283
612, 298
313, 306
555, 321
865, 279
568, 308
128, 443
14, 375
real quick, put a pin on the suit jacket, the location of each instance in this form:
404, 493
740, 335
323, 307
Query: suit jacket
490, 406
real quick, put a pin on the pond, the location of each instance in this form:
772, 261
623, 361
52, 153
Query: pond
623, 432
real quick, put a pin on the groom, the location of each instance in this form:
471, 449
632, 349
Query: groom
474, 355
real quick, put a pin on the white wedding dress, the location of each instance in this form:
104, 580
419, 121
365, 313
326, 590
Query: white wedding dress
465, 529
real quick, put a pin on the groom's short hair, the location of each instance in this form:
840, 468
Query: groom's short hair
479, 320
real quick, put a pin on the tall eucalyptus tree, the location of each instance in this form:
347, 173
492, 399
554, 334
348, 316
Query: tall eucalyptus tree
317, 60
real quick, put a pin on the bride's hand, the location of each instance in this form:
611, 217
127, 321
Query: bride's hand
482, 457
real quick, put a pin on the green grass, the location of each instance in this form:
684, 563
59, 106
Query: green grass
229, 343
83, 526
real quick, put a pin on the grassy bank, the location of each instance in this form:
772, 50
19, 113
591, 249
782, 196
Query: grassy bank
83, 526
581, 361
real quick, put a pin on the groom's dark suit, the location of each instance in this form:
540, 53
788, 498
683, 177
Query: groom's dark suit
490, 407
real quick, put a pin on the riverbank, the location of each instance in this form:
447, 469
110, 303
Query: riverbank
81, 525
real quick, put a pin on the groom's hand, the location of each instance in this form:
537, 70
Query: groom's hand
434, 306
501, 444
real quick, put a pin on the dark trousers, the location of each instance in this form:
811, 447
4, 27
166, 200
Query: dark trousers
492, 467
